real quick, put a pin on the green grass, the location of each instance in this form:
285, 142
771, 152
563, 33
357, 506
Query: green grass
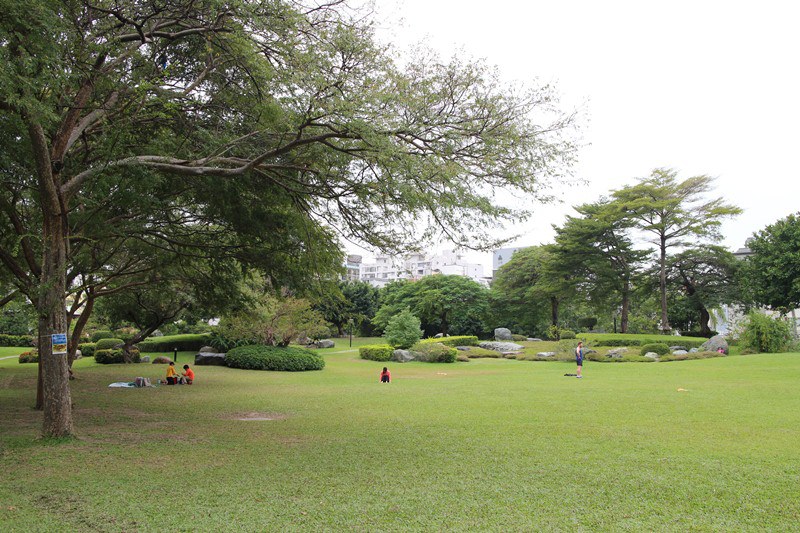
491, 444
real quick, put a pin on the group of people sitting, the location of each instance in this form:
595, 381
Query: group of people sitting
187, 377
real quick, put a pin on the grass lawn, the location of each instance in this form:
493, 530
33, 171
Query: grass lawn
492, 444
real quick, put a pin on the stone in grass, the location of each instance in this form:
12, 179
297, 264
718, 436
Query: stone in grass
209, 359
533, 339
673, 348
402, 356
145, 359
617, 353
162, 360
463, 348
714, 344
679, 352
501, 346
651, 355
503, 334
545, 354
325, 343
208, 349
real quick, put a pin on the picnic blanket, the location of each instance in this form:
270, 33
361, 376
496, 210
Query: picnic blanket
123, 384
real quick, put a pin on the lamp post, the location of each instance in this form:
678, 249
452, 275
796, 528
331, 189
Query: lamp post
350, 323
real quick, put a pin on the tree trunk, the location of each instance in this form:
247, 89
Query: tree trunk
554, 310
626, 303
705, 330
663, 287
77, 331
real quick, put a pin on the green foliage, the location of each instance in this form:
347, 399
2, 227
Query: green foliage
435, 352
101, 334
114, 356
17, 317
376, 352
765, 334
566, 334
587, 322
621, 339
188, 342
87, 348
402, 330
106, 343
15, 340
656, 347
278, 358
29, 357
455, 340
553, 333
479, 353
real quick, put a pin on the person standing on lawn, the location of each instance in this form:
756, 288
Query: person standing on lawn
579, 359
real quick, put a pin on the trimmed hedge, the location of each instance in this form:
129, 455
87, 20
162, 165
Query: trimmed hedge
657, 347
107, 344
15, 340
184, 343
612, 340
260, 357
114, 356
566, 334
456, 340
376, 352
435, 352
101, 334
29, 357
87, 349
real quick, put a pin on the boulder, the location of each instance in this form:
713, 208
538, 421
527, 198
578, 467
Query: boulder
157, 333
679, 352
533, 339
651, 355
78, 354
208, 349
714, 344
162, 360
145, 359
402, 356
503, 334
206, 358
463, 348
325, 343
617, 353
545, 354
674, 348
694, 350
438, 336
500, 346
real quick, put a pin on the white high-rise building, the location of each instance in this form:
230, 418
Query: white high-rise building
417, 265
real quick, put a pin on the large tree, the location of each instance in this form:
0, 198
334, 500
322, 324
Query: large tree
291, 107
673, 212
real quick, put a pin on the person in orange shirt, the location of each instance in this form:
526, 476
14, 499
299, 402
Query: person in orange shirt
188, 375
172, 374
386, 376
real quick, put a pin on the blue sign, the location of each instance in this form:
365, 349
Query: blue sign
59, 341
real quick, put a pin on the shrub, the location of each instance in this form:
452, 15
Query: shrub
114, 356
765, 334
566, 334
553, 333
435, 352
403, 330
376, 352
15, 340
29, 357
101, 334
588, 322
184, 343
107, 343
278, 358
87, 349
162, 360
658, 347
456, 340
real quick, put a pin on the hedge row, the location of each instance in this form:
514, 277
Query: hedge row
114, 356
260, 357
107, 343
612, 342
15, 340
376, 352
184, 343
456, 340
87, 349
435, 352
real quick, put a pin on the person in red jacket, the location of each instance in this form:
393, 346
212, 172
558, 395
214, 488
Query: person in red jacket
188, 375
386, 376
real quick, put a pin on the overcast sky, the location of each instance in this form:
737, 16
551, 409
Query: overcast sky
704, 87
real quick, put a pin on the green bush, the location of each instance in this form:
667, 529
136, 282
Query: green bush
566, 334
455, 340
87, 349
765, 334
553, 333
403, 330
478, 353
29, 357
107, 343
15, 340
588, 322
376, 352
435, 352
101, 334
184, 343
278, 358
658, 347
114, 356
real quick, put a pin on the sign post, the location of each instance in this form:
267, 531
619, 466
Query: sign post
59, 342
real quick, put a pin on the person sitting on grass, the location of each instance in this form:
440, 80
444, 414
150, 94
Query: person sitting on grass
386, 376
188, 375
172, 374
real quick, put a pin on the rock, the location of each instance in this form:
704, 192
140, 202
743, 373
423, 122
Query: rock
545, 354
78, 354
500, 346
694, 350
533, 339
679, 352
157, 333
503, 334
673, 348
651, 355
162, 360
145, 359
325, 343
714, 344
208, 349
438, 336
463, 348
207, 358
402, 356
587, 352
617, 353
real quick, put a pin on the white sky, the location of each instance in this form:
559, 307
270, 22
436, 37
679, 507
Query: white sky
704, 87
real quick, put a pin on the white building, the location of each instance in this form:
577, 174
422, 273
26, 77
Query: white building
418, 265
502, 256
